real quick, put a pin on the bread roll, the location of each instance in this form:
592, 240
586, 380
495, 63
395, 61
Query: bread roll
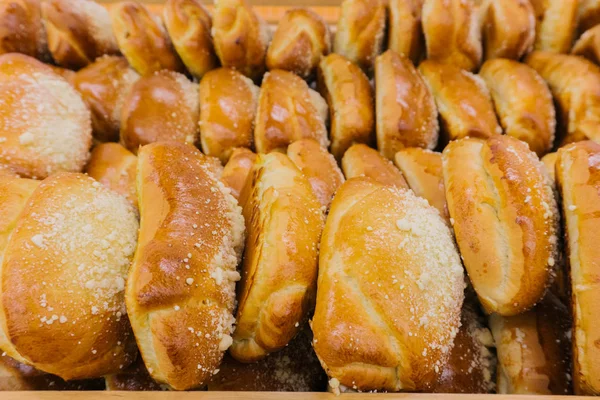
143, 39
405, 109
22, 29
463, 101
67, 74
390, 290
279, 273
188, 24
575, 84
295, 368
63, 277
361, 31
452, 34
241, 37
405, 30
577, 174
301, 39
361, 160
133, 378
319, 167
508, 28
288, 110
549, 161
104, 85
588, 45
237, 169
505, 220
114, 167
588, 14
556, 24
534, 350
44, 125
350, 98
228, 102
162, 106
422, 170
181, 287
14, 193
523, 103
78, 31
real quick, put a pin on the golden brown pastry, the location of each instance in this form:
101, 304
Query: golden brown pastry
228, 102
301, 39
549, 161
422, 170
578, 177
63, 280
44, 125
295, 368
279, 272
133, 378
508, 28
361, 31
575, 84
237, 169
405, 34
103, 86
452, 35
406, 115
14, 193
67, 74
288, 110
588, 45
22, 29
523, 102
390, 290
181, 288
241, 37
463, 101
505, 219
361, 160
556, 24
588, 14
162, 106
188, 24
143, 39
78, 31
350, 98
114, 167
319, 167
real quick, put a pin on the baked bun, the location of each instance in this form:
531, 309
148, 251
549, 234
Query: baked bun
237, 169
288, 110
523, 103
361, 31
133, 378
114, 167
279, 273
556, 24
103, 86
44, 125
228, 102
497, 189
181, 287
319, 167
588, 14
241, 37
74, 236
295, 368
575, 84
67, 74
143, 39
549, 161
578, 177
588, 45
188, 24
14, 193
390, 290
405, 34
422, 170
301, 39
361, 160
534, 350
452, 34
22, 29
406, 115
350, 98
463, 101
508, 28
78, 31
162, 106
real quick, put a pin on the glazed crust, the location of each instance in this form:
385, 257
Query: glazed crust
361, 160
556, 24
